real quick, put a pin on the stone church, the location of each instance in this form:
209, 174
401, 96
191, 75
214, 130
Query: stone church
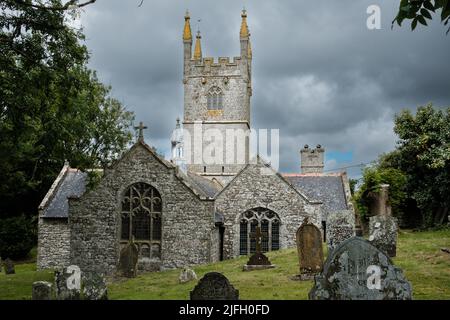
181, 212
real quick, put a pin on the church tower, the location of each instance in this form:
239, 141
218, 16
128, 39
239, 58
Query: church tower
216, 106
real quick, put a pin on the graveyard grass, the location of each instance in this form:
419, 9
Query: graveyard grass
418, 254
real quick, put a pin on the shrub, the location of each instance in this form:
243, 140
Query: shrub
17, 237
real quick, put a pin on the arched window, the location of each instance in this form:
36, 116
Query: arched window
215, 99
141, 219
268, 221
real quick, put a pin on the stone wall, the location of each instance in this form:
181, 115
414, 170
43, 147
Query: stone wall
53, 243
187, 221
253, 188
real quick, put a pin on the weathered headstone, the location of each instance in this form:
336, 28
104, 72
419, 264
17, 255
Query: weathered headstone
357, 270
187, 275
383, 234
340, 227
94, 286
310, 252
42, 290
380, 202
258, 260
128, 260
214, 286
9, 266
68, 283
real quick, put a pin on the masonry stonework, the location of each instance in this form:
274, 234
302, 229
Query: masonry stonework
259, 186
53, 243
187, 221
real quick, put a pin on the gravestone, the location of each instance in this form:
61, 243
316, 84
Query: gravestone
383, 234
94, 286
68, 283
310, 252
9, 266
187, 275
214, 286
379, 205
42, 290
357, 270
258, 261
340, 227
128, 260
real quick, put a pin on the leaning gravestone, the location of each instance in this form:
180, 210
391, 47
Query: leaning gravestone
9, 266
187, 275
68, 283
94, 286
340, 227
42, 290
214, 286
383, 234
310, 252
128, 260
357, 270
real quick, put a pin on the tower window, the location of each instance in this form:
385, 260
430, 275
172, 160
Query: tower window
215, 99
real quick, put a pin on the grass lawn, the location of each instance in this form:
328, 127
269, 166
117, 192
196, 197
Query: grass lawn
418, 254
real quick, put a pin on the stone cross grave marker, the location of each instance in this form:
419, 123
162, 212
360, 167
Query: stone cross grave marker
42, 290
214, 286
128, 260
310, 251
258, 260
357, 270
68, 283
9, 266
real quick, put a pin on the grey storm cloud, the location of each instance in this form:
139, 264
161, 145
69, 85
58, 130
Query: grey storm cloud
319, 74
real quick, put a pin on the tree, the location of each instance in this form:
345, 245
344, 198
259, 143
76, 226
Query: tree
418, 11
52, 107
423, 154
372, 178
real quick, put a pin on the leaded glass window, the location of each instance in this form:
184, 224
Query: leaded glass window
268, 221
215, 99
141, 219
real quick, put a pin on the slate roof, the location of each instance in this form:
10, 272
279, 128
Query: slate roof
328, 189
72, 184
208, 187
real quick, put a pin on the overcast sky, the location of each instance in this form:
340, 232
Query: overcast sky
319, 74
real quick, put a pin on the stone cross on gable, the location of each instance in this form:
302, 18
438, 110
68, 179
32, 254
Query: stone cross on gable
258, 235
141, 128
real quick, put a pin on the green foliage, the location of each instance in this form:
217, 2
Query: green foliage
17, 237
418, 254
418, 11
423, 154
94, 177
373, 177
353, 183
53, 108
